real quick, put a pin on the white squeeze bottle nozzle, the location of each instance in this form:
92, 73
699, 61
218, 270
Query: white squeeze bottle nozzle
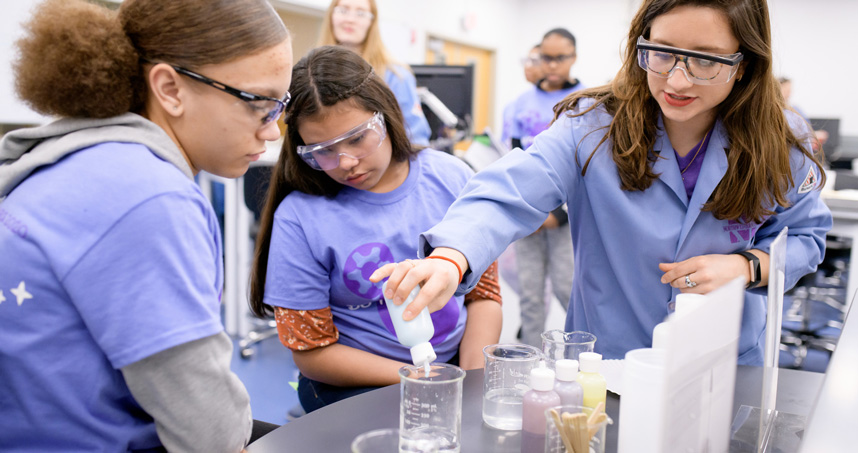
414, 334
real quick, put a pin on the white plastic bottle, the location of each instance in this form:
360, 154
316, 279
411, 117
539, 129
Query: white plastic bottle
594, 384
537, 400
414, 334
566, 385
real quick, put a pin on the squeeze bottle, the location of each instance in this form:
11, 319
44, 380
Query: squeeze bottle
570, 391
536, 401
414, 334
594, 384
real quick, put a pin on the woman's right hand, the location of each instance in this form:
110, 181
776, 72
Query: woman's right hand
438, 278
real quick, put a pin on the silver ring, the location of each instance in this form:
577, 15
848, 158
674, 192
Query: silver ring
688, 282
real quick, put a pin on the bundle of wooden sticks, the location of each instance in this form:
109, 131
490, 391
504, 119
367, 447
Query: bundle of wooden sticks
576, 430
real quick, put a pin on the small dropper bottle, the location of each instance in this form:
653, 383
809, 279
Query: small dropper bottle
594, 384
536, 401
565, 384
414, 334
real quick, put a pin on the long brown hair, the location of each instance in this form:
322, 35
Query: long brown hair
372, 49
78, 59
758, 174
326, 76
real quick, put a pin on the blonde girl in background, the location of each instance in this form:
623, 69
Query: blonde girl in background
353, 24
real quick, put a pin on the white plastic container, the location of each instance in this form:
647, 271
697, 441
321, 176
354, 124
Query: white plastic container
414, 334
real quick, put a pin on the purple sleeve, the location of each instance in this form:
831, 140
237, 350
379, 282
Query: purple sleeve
153, 280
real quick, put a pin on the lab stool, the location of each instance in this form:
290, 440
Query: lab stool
256, 182
814, 318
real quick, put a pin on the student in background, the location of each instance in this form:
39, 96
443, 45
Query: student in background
354, 24
687, 160
349, 194
786, 92
111, 271
547, 253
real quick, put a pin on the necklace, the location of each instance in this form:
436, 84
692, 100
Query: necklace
699, 147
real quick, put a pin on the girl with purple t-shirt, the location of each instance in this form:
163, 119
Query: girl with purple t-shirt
349, 194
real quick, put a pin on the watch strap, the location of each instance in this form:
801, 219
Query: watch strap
754, 262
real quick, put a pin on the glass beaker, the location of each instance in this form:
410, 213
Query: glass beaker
506, 379
557, 344
388, 440
563, 430
432, 405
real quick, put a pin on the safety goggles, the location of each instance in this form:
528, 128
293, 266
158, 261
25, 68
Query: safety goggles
559, 59
701, 68
268, 108
357, 143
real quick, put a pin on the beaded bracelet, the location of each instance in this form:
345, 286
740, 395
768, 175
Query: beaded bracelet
439, 257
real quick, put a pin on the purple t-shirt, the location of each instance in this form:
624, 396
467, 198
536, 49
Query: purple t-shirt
532, 113
691, 163
323, 251
107, 257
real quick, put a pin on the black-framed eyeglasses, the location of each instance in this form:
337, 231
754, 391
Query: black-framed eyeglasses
548, 59
701, 68
270, 107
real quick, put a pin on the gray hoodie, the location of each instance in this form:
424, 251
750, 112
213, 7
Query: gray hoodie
22, 151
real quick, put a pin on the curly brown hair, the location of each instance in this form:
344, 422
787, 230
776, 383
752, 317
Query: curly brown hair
78, 59
760, 138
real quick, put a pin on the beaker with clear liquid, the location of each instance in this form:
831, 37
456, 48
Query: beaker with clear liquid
506, 380
432, 404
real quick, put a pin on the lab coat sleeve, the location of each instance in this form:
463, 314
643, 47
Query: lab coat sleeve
807, 217
508, 200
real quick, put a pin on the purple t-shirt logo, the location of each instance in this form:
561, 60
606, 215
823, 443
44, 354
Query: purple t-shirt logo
362, 262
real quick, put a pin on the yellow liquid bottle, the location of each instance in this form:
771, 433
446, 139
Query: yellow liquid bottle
594, 385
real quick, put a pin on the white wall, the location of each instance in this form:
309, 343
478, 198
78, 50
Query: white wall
812, 42
814, 45
12, 110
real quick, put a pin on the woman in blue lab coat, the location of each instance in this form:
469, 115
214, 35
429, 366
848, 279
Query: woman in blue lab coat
354, 24
678, 176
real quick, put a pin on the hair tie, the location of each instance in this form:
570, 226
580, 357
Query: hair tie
439, 257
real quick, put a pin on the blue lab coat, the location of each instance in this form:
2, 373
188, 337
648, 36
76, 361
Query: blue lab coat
620, 236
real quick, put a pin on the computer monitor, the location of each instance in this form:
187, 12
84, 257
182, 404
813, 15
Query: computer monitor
832, 126
453, 85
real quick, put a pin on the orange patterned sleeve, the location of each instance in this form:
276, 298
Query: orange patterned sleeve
487, 288
302, 330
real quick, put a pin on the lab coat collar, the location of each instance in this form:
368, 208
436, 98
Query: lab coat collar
712, 171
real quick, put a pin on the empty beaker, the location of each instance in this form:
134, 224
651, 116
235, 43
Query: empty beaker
506, 380
557, 344
389, 440
432, 404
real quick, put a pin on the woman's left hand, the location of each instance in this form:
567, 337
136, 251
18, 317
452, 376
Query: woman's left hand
702, 274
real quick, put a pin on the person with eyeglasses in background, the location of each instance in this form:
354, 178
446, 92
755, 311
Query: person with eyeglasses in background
111, 269
679, 175
353, 24
546, 254
349, 194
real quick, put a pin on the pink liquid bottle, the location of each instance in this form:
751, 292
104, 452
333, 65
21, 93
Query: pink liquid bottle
537, 400
566, 385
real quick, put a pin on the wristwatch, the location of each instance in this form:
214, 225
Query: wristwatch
754, 262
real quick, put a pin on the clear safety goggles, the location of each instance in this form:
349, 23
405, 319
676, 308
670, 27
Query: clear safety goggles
357, 143
701, 68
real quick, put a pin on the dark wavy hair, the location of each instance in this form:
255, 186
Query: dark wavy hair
759, 173
326, 76
79, 59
